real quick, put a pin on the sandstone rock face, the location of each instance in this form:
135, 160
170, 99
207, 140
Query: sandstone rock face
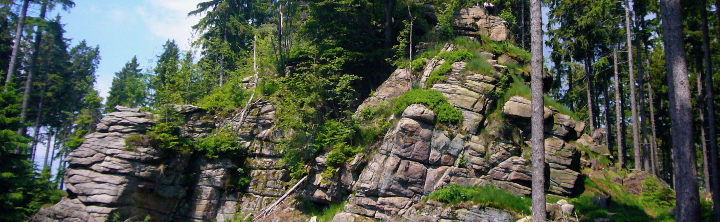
397, 84
105, 177
519, 109
476, 20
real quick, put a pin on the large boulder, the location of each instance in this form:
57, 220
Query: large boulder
476, 20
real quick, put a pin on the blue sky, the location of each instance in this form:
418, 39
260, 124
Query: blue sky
127, 28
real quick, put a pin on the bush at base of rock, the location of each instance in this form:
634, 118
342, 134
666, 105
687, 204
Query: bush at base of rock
489, 196
435, 100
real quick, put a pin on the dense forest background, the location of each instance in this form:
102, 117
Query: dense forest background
318, 59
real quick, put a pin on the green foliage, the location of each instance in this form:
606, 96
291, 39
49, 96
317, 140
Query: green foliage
418, 64
324, 213
22, 191
129, 87
445, 113
651, 205
506, 48
438, 75
450, 57
220, 143
226, 98
485, 196
445, 17
165, 134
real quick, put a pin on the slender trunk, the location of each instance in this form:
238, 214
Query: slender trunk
410, 46
570, 89
16, 45
537, 139
606, 118
52, 153
710, 107
389, 6
522, 24
588, 87
633, 104
47, 147
38, 115
642, 115
686, 187
618, 112
703, 137
653, 141
280, 41
31, 69
36, 136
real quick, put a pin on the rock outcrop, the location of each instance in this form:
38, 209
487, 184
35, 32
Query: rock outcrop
477, 21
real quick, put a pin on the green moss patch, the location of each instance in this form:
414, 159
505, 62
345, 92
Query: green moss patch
445, 113
486, 196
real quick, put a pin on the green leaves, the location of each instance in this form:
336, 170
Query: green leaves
445, 113
129, 87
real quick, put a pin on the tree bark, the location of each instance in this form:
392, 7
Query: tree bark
47, 147
588, 88
389, 6
31, 69
686, 187
537, 103
645, 150
710, 107
606, 118
703, 137
633, 104
618, 112
653, 141
16, 45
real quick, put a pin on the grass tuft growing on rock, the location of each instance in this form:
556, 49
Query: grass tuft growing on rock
435, 100
486, 196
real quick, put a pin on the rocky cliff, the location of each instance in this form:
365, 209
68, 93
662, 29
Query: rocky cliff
107, 179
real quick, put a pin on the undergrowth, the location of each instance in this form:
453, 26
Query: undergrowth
485, 196
435, 100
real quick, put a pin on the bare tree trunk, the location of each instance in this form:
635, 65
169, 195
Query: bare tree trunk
588, 88
537, 139
47, 147
16, 44
618, 112
606, 118
280, 41
686, 187
710, 106
522, 24
703, 137
642, 115
653, 141
410, 47
633, 104
31, 69
389, 6
39, 114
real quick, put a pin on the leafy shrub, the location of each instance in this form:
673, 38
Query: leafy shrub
486, 196
438, 75
435, 100
220, 143
418, 64
455, 56
653, 192
340, 154
226, 98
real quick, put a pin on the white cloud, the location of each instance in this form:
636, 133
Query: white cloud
168, 19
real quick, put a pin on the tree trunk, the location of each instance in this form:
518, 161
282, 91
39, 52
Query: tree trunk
588, 87
633, 104
703, 137
618, 112
536, 120
16, 45
31, 69
686, 187
38, 114
653, 141
642, 115
522, 24
47, 147
410, 46
389, 6
710, 107
281, 57
606, 118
